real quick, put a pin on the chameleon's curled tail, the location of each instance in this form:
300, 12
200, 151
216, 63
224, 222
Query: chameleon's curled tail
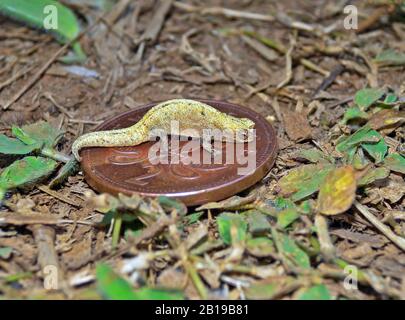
112, 138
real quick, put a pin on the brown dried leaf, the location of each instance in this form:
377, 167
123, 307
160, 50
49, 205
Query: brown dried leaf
296, 125
385, 118
338, 191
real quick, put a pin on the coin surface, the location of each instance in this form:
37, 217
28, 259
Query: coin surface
131, 170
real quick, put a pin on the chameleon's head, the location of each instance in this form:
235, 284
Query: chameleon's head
239, 127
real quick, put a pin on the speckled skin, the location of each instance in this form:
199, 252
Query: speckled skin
190, 114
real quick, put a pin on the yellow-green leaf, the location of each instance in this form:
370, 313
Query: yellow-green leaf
303, 181
337, 192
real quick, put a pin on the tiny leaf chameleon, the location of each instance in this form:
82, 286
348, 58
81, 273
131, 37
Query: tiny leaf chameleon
189, 114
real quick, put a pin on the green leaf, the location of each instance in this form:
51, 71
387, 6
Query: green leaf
373, 175
269, 288
260, 247
364, 98
303, 181
346, 143
376, 150
390, 57
282, 203
159, 294
390, 98
395, 162
354, 113
14, 146
169, 204
370, 140
314, 155
290, 250
5, 253
40, 132
286, 217
113, 287
34, 13
26, 172
192, 218
232, 228
318, 292
258, 223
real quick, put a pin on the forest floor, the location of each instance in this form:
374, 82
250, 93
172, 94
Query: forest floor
291, 61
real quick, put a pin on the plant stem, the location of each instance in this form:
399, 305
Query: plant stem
116, 229
198, 284
399, 241
327, 248
56, 155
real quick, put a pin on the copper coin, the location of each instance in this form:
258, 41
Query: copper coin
128, 170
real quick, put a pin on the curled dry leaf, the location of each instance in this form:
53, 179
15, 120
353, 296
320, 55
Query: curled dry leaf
337, 192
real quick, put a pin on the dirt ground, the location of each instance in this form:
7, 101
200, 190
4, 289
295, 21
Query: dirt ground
302, 83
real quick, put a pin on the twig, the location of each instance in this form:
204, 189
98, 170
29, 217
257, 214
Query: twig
229, 13
288, 66
59, 196
15, 77
119, 8
155, 25
399, 241
47, 256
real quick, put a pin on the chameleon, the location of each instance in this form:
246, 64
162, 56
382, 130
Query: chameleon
189, 114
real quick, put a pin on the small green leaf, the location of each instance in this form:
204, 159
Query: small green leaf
14, 146
290, 250
232, 228
40, 132
370, 140
5, 253
346, 143
390, 57
169, 204
192, 218
282, 203
286, 217
26, 172
269, 288
159, 294
364, 98
373, 175
390, 98
395, 162
376, 150
113, 287
258, 223
318, 292
354, 113
314, 155
303, 181
260, 247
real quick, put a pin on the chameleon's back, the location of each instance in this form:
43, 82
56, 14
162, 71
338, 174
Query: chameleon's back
188, 114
